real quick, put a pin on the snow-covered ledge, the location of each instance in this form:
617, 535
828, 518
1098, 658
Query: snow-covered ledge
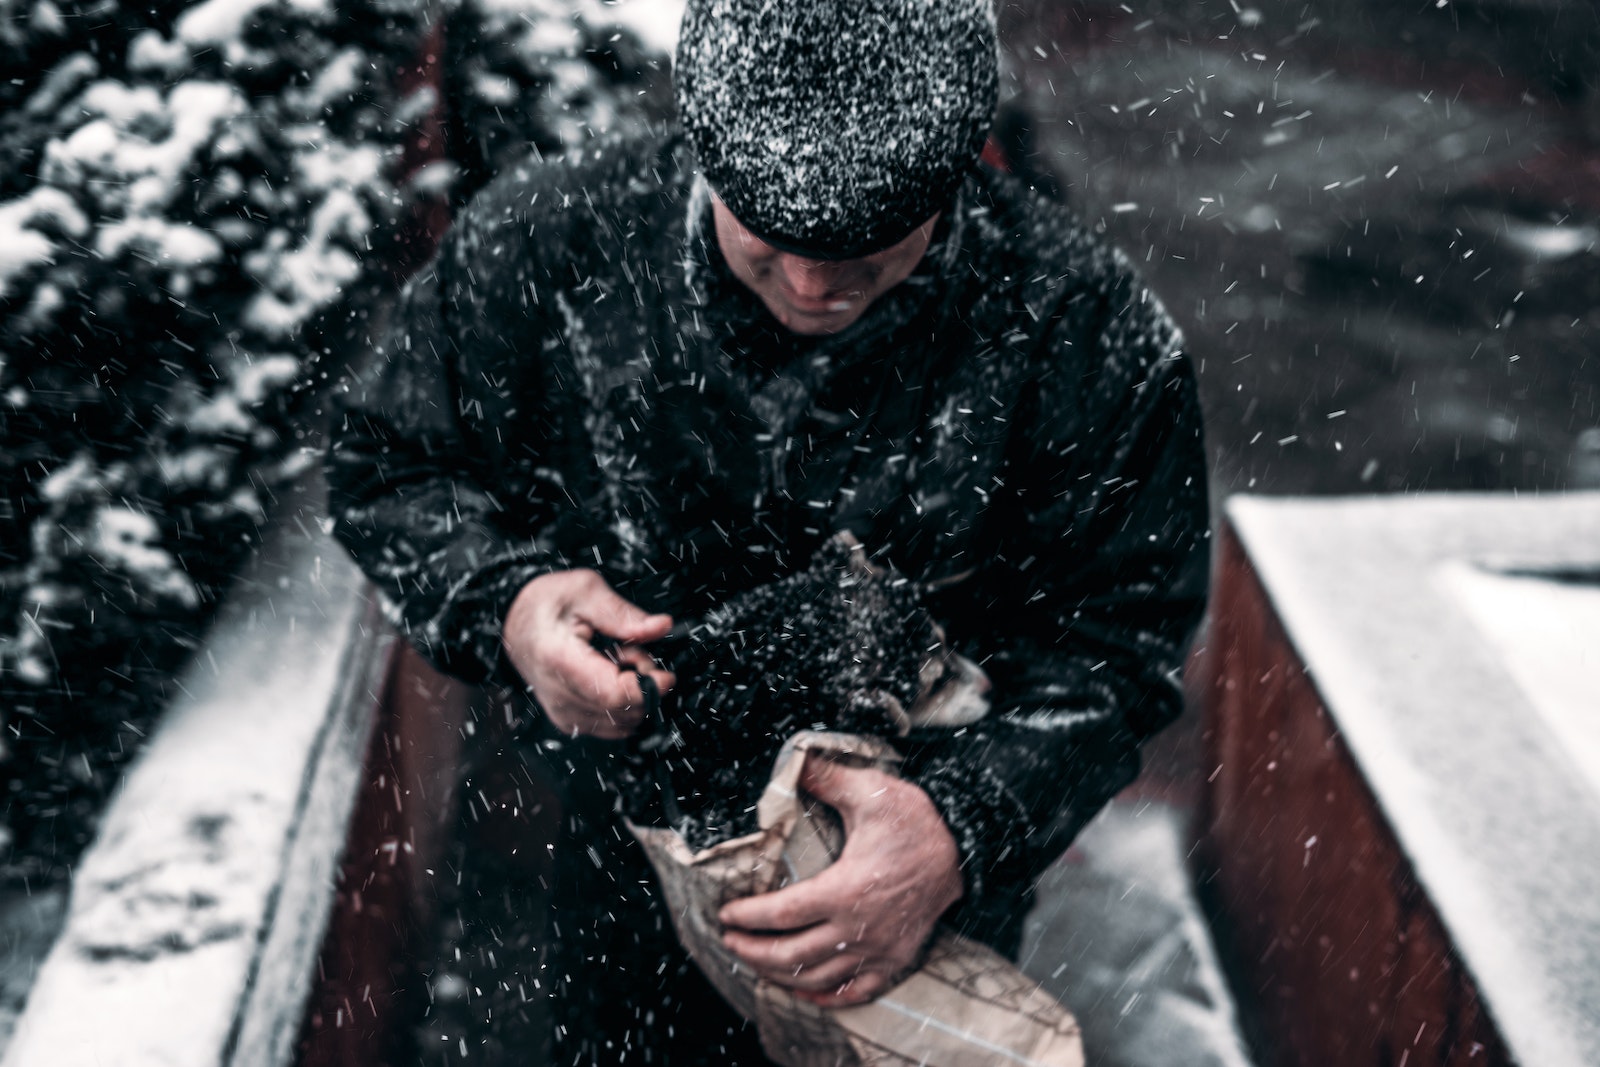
1453, 641
196, 917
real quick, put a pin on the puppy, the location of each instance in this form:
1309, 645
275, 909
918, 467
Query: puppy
843, 645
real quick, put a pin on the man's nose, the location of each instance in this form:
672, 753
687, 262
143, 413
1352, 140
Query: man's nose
813, 278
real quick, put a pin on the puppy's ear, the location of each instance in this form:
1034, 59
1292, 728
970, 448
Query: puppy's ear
845, 553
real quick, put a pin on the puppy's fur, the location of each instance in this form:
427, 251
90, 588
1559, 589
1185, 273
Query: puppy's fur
843, 645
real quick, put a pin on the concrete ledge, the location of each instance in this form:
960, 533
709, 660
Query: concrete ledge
196, 916
1484, 786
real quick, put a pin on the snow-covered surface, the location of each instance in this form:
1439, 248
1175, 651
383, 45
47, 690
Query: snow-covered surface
1118, 936
195, 917
1484, 793
1547, 632
654, 21
29, 923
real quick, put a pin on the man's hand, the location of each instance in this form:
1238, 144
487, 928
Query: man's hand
846, 935
583, 691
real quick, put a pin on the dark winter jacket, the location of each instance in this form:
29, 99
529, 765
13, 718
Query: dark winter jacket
578, 381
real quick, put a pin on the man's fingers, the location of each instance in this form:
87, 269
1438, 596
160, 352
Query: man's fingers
825, 977
615, 617
786, 953
547, 634
838, 786
820, 777
590, 695
791, 908
593, 679
641, 661
869, 985
816, 960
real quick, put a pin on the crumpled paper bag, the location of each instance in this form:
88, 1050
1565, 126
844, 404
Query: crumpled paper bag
966, 1006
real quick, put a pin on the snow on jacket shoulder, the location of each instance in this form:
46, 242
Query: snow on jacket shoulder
578, 381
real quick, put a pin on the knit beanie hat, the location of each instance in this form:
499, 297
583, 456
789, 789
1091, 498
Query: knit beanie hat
833, 128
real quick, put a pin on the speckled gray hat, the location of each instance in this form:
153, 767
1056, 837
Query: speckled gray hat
832, 128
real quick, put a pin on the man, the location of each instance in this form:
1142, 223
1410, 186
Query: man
641, 380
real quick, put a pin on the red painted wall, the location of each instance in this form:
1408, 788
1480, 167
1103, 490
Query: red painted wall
1334, 949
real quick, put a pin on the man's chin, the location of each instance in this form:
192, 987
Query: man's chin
820, 321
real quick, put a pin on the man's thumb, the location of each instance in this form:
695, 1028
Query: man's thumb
825, 780
615, 617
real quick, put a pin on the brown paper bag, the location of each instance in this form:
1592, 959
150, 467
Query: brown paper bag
966, 1006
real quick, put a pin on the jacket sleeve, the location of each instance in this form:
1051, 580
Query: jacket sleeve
1087, 598
411, 488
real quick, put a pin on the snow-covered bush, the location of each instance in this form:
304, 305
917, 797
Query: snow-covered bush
549, 74
197, 199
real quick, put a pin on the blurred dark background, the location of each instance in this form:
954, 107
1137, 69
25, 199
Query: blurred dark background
1376, 220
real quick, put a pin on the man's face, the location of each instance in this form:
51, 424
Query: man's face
815, 296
